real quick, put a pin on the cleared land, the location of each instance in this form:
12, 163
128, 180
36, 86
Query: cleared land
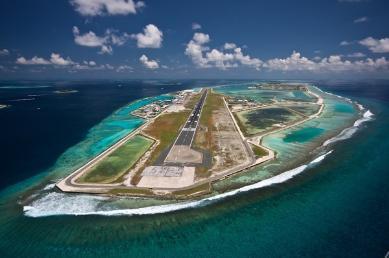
164, 129
217, 134
116, 164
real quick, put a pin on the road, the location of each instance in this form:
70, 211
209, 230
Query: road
188, 131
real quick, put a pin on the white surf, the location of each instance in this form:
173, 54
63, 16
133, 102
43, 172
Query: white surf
64, 204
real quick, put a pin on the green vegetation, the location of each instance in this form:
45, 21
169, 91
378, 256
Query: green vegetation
202, 172
165, 128
258, 151
241, 125
116, 164
131, 191
197, 190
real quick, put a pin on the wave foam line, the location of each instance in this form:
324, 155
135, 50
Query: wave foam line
63, 204
348, 132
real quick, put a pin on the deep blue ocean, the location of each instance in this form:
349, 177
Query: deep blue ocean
339, 208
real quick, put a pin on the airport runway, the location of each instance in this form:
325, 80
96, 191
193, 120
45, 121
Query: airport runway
188, 131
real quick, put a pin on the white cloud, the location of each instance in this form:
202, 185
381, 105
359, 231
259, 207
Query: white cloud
109, 67
194, 49
123, 68
106, 7
345, 43
229, 45
150, 38
201, 38
4, 52
376, 45
203, 57
333, 63
361, 19
56, 59
90, 39
148, 63
33, 61
292, 63
106, 50
356, 55
196, 26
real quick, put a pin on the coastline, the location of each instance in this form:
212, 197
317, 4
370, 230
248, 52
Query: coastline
31, 211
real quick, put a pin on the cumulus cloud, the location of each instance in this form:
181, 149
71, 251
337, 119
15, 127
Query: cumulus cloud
4, 52
150, 38
333, 63
106, 49
105, 42
106, 7
124, 68
196, 26
361, 19
56, 59
292, 63
376, 45
148, 63
203, 57
229, 46
91, 63
89, 39
33, 61
345, 43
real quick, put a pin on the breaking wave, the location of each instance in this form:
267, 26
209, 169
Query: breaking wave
65, 204
348, 132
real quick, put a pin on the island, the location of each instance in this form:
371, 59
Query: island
196, 138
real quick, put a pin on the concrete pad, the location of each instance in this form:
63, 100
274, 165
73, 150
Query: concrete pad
184, 154
160, 177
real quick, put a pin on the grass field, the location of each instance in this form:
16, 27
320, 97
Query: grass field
200, 189
116, 164
258, 151
165, 128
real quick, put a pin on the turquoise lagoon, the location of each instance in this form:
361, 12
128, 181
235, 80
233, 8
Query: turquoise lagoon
339, 213
290, 154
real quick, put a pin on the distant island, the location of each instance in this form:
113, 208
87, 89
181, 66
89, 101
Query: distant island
65, 91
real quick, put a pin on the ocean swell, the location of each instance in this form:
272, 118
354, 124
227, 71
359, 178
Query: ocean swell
63, 204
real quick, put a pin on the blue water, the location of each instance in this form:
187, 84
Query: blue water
303, 135
339, 208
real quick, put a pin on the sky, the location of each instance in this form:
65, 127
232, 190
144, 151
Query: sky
130, 39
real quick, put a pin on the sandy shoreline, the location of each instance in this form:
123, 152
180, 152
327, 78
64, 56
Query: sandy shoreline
69, 184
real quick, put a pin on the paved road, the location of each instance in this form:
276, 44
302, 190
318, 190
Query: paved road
188, 131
